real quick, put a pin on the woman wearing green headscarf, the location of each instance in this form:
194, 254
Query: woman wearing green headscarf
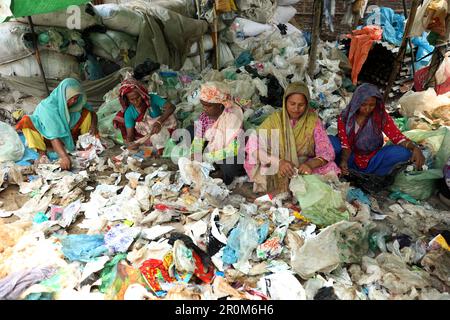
58, 121
290, 140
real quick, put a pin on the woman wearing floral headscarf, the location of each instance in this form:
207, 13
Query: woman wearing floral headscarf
217, 130
360, 129
142, 113
289, 141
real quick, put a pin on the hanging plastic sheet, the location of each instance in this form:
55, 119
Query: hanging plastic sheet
393, 24
329, 12
424, 50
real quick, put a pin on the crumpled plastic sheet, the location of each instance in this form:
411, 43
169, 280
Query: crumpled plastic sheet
12, 286
437, 262
282, 286
274, 245
120, 237
397, 277
320, 203
83, 247
241, 242
343, 242
57, 287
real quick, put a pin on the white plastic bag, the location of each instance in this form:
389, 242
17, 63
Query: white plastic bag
226, 56
251, 28
443, 73
283, 14
418, 26
11, 147
415, 103
282, 286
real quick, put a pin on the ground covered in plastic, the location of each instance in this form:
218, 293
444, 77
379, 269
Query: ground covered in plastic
121, 226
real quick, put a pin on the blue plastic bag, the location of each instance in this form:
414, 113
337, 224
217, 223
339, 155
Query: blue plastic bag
424, 48
83, 247
393, 24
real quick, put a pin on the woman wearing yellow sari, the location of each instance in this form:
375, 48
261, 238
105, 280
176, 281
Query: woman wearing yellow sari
291, 140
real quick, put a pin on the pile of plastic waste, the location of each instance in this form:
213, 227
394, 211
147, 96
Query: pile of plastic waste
115, 228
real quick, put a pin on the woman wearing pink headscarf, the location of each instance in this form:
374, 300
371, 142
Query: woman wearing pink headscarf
218, 130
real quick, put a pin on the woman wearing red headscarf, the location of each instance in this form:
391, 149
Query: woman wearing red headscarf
142, 113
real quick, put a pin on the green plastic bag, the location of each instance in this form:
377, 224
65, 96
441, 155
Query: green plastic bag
320, 203
402, 123
105, 116
422, 184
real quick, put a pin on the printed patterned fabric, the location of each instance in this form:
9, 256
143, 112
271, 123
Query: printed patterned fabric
202, 125
389, 129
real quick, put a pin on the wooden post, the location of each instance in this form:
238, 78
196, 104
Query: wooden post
401, 52
405, 10
37, 54
315, 36
216, 37
201, 48
439, 51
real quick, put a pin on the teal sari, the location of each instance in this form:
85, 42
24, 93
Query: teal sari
52, 117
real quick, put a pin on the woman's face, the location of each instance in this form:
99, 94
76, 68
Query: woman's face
368, 106
134, 98
213, 110
72, 101
296, 105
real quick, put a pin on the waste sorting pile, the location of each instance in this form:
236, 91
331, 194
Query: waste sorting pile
116, 228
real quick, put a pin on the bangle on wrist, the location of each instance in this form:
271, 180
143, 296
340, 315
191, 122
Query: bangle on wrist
322, 160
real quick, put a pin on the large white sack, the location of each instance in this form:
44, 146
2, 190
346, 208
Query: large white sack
414, 103
119, 18
208, 44
287, 2
65, 19
56, 66
104, 46
226, 57
251, 28
12, 44
283, 14
11, 148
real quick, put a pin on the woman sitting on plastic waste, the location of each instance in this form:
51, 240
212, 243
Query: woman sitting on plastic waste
359, 145
145, 118
302, 143
216, 132
58, 121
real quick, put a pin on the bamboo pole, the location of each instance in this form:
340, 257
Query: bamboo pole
401, 52
315, 36
37, 54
